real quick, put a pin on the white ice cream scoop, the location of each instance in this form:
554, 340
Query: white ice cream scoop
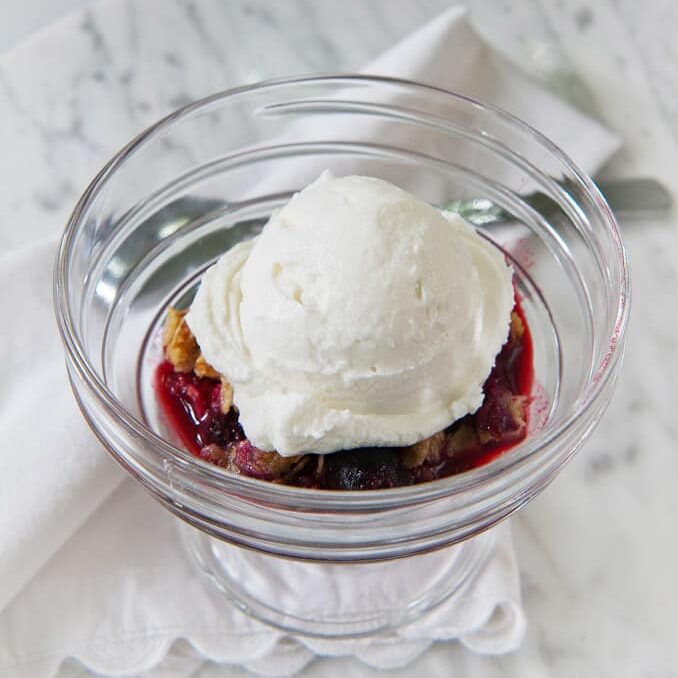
361, 316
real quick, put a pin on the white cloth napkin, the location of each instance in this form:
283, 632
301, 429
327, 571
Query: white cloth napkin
97, 574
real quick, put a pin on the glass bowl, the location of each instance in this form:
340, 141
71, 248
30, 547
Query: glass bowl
336, 563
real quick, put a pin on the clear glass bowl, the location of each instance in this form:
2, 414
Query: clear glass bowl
167, 205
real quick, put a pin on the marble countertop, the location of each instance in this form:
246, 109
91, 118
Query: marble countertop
598, 549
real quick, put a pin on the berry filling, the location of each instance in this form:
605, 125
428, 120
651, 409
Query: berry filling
197, 404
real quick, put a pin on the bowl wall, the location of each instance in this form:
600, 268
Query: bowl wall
211, 174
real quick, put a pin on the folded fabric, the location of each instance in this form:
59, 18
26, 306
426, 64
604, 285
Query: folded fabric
449, 54
109, 562
53, 473
117, 598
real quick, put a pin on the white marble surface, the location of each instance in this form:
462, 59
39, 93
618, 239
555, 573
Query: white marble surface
599, 549
21, 19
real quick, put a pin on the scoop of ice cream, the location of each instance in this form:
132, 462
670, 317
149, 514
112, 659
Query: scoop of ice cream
361, 316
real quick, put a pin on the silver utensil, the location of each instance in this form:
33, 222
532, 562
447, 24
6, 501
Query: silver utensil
630, 199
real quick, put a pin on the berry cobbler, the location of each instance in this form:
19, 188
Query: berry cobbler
364, 340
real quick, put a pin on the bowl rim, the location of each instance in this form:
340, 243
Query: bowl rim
342, 500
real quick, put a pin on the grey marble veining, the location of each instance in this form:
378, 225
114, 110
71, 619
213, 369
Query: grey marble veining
123, 64
598, 550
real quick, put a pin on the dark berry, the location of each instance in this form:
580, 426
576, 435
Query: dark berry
364, 469
222, 429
